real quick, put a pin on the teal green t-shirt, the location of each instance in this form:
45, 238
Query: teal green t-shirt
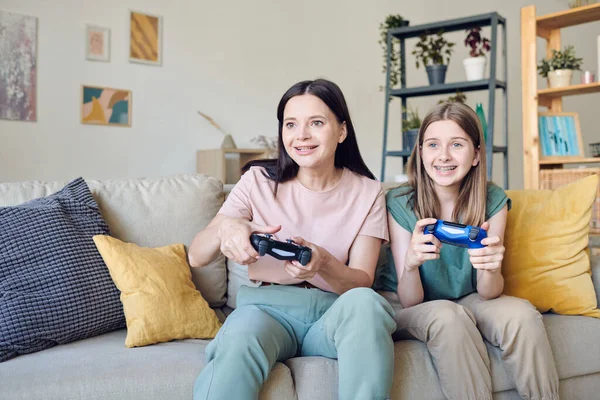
449, 277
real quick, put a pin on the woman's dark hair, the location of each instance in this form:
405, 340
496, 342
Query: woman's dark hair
347, 154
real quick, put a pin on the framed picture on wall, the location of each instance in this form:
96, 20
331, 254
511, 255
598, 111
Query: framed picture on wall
145, 38
97, 43
105, 106
560, 134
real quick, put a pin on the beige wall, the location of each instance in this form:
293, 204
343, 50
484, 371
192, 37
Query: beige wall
233, 60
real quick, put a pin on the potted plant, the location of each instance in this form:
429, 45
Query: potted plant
434, 52
410, 128
478, 46
558, 69
391, 22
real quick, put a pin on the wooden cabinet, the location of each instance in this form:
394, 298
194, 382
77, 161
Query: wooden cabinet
225, 164
547, 27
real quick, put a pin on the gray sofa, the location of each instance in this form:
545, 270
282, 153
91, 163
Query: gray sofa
155, 212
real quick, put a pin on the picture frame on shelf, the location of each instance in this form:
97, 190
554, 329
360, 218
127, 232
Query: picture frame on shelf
559, 135
105, 106
145, 38
97, 43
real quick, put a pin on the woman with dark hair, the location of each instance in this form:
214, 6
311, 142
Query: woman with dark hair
320, 194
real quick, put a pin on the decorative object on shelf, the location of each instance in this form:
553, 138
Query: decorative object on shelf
391, 22
18, 67
410, 128
145, 38
105, 106
459, 97
560, 134
97, 43
559, 67
481, 114
580, 3
478, 46
595, 149
228, 142
434, 53
587, 77
269, 143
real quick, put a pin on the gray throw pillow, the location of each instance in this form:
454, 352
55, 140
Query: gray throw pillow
54, 285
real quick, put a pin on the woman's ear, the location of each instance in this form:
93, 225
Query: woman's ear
343, 133
477, 158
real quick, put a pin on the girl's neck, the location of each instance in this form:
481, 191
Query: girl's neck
319, 180
447, 197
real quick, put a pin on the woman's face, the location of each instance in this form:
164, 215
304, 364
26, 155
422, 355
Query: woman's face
311, 132
448, 153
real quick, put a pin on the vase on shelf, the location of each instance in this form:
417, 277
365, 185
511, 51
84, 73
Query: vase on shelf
560, 78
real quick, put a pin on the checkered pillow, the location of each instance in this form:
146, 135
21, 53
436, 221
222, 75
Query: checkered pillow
54, 285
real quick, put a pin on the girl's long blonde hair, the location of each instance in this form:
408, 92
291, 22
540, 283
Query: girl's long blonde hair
471, 202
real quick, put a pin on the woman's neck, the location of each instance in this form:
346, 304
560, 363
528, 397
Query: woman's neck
318, 180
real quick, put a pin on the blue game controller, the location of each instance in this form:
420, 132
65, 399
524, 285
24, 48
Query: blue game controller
287, 250
457, 234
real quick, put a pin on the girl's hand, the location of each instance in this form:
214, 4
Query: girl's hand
422, 247
234, 234
490, 257
318, 259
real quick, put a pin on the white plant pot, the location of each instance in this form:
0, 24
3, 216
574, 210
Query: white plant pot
475, 68
560, 78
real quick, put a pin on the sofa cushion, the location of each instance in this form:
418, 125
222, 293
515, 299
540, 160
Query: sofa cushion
101, 368
546, 240
157, 292
151, 213
54, 286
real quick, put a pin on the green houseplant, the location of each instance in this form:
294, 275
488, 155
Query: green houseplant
434, 51
558, 69
391, 22
411, 122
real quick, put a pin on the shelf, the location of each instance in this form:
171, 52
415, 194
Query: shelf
548, 94
406, 153
457, 24
556, 160
571, 17
431, 90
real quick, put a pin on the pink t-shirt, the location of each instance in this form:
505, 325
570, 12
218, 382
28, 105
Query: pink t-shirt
331, 219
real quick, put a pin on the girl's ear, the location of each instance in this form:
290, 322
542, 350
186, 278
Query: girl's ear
476, 159
343, 133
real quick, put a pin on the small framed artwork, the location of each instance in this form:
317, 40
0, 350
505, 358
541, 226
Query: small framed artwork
145, 38
560, 134
97, 43
105, 106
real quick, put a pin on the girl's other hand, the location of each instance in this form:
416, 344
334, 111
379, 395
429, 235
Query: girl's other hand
490, 257
422, 247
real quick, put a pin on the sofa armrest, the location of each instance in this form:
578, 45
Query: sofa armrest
596, 275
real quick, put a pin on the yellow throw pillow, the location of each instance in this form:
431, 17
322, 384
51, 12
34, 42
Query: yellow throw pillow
159, 298
546, 239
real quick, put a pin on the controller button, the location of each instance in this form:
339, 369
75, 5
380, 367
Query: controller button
473, 233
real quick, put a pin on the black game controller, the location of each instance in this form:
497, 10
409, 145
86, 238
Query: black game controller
288, 250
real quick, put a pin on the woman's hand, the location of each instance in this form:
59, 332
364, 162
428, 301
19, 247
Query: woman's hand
234, 234
319, 258
422, 247
490, 257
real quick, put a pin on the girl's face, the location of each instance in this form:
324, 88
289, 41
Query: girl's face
311, 132
448, 153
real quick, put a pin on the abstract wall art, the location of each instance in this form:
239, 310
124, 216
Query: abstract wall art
18, 67
145, 38
105, 106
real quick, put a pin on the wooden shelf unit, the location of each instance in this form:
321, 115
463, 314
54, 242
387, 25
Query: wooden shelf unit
216, 163
547, 27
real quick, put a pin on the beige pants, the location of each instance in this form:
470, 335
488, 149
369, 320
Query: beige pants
453, 334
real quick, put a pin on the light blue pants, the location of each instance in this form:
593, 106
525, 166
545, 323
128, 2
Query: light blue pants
275, 323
